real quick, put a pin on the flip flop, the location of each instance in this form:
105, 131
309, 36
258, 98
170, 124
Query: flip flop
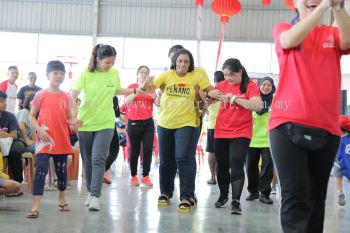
33, 214
64, 207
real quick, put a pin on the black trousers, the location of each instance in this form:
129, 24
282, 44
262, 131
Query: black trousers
141, 131
15, 161
303, 177
231, 154
259, 181
113, 150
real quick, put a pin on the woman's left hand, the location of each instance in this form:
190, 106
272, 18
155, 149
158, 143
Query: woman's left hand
227, 97
216, 94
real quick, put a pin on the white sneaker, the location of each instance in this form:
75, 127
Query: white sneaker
94, 203
87, 202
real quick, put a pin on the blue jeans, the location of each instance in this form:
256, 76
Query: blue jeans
41, 169
30, 149
176, 150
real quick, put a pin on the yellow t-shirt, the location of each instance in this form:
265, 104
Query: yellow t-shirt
213, 111
2, 175
201, 71
177, 107
96, 109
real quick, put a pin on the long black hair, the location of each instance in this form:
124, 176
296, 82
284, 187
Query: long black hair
27, 100
177, 54
100, 51
234, 65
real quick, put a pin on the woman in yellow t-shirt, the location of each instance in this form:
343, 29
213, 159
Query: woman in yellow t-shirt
100, 82
176, 127
213, 110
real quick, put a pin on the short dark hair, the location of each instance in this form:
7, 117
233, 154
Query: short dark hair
177, 54
234, 65
218, 76
32, 73
100, 51
174, 49
3, 95
12, 68
27, 100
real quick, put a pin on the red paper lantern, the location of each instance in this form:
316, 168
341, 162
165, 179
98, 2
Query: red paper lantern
290, 4
199, 2
226, 8
266, 2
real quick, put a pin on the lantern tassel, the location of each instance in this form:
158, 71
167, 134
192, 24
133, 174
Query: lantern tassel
199, 34
222, 35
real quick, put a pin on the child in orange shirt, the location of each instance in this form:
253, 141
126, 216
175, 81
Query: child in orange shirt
53, 106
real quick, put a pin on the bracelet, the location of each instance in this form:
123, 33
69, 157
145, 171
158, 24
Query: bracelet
232, 99
135, 91
339, 6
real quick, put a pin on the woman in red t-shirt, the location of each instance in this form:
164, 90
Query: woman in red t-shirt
304, 122
139, 112
233, 130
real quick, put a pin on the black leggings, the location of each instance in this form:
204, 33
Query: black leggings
113, 150
303, 177
230, 154
141, 131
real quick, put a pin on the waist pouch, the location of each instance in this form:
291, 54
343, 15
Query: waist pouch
306, 137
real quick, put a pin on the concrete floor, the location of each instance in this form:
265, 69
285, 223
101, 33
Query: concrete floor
125, 208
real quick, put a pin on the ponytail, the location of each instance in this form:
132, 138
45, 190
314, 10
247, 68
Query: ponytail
100, 51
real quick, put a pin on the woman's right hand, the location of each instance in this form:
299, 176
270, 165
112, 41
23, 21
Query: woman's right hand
44, 136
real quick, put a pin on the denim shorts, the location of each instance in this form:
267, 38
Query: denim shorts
2, 182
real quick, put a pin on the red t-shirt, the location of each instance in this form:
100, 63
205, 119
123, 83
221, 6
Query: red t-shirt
234, 121
308, 92
53, 109
141, 108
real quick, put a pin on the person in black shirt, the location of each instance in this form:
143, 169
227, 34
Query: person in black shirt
9, 129
27, 90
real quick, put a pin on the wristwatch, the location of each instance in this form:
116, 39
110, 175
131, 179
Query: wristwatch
232, 99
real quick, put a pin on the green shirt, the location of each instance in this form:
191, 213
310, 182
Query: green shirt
260, 133
96, 109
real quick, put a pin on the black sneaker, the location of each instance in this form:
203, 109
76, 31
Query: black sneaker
220, 203
236, 207
252, 197
266, 200
211, 181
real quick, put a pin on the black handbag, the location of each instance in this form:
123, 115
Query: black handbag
306, 137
